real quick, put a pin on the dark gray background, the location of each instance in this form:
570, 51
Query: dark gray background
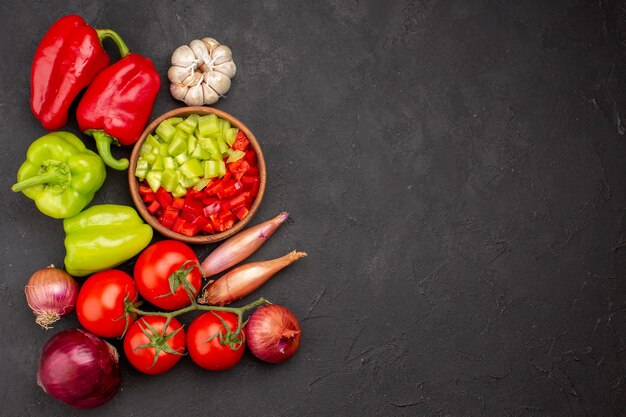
454, 169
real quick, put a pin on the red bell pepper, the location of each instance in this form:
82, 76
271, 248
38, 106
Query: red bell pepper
117, 105
68, 58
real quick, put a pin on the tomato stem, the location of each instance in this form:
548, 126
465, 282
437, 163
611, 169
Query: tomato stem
239, 311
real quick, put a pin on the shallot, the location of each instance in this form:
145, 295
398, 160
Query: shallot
244, 279
241, 246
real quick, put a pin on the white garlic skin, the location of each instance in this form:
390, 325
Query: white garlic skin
194, 96
217, 81
227, 68
179, 91
177, 74
201, 72
210, 44
210, 96
221, 54
183, 56
200, 51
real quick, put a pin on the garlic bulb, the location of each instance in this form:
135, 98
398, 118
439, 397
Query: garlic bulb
201, 72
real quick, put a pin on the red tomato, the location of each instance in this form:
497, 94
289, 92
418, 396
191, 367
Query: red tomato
168, 348
213, 346
100, 305
159, 266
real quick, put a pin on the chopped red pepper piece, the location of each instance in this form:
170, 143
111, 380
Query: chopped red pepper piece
207, 201
193, 206
241, 212
237, 202
209, 228
145, 189
178, 203
187, 216
178, 225
163, 197
201, 222
239, 168
214, 188
148, 198
189, 229
253, 172
192, 193
223, 221
154, 207
241, 142
251, 157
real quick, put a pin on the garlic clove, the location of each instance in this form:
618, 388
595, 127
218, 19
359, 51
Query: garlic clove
177, 74
193, 79
183, 56
227, 68
194, 96
210, 44
221, 54
200, 50
179, 91
217, 81
210, 96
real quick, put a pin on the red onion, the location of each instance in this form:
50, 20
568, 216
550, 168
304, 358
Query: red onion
244, 279
51, 293
241, 246
79, 368
273, 333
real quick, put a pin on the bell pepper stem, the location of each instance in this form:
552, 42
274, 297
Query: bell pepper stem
108, 33
55, 176
103, 143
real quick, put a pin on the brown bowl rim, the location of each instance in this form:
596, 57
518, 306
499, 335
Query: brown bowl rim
133, 181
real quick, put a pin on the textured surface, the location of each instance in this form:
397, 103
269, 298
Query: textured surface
455, 172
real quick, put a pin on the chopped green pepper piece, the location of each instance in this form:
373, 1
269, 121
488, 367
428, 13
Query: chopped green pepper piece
169, 180
236, 155
169, 163
230, 136
153, 178
180, 159
221, 168
211, 169
177, 146
179, 191
207, 124
165, 131
192, 142
200, 153
191, 168
174, 120
188, 182
158, 164
142, 168
222, 145
202, 183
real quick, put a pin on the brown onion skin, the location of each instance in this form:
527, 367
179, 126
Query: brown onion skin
79, 368
273, 333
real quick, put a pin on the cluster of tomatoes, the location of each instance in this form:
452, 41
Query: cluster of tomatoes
166, 275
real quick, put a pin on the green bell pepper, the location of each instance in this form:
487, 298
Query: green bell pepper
60, 174
103, 237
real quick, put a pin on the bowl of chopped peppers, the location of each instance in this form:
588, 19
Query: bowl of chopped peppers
197, 174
